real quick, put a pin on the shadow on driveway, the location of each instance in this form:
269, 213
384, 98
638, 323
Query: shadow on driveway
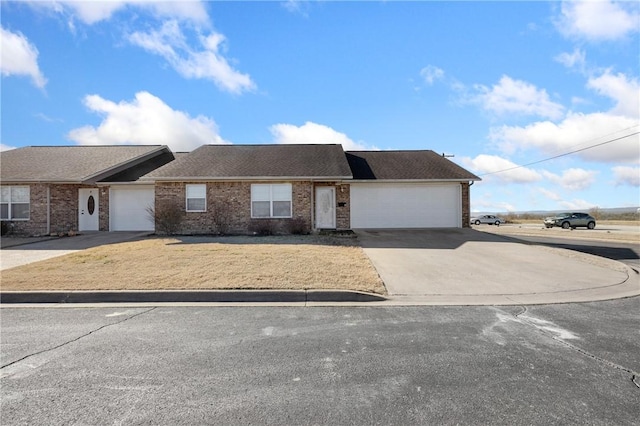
434, 238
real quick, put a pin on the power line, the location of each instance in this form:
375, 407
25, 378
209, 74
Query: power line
562, 155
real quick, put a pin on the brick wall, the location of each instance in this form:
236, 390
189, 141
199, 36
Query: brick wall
37, 223
230, 203
63, 210
343, 213
466, 204
103, 220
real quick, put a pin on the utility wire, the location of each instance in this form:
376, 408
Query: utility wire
561, 155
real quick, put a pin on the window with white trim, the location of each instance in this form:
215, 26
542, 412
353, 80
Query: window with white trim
14, 203
270, 200
197, 198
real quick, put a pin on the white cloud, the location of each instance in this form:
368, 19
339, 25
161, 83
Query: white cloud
147, 120
549, 194
207, 63
576, 59
576, 204
297, 6
511, 96
574, 132
598, 20
484, 203
484, 164
574, 179
624, 91
91, 12
20, 57
4, 147
431, 73
314, 133
627, 175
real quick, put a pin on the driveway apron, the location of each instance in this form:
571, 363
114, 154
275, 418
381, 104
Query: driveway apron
465, 266
34, 252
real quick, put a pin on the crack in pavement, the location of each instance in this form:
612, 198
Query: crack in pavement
77, 338
635, 376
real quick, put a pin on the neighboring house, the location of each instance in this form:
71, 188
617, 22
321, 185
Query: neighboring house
231, 188
240, 187
58, 189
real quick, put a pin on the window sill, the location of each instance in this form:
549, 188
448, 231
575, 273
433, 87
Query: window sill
272, 217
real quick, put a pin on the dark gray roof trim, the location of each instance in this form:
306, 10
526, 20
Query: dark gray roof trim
405, 165
250, 162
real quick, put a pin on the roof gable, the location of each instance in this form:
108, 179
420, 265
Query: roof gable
238, 162
70, 164
405, 165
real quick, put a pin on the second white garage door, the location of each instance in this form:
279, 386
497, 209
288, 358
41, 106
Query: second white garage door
394, 205
128, 208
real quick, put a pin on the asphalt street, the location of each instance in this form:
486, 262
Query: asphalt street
549, 364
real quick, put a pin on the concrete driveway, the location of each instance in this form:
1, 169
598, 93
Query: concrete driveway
469, 267
18, 255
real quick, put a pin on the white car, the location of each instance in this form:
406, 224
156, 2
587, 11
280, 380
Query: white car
487, 218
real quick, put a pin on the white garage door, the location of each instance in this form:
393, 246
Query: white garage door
393, 205
128, 208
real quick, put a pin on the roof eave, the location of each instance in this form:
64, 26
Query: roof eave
414, 180
124, 165
43, 181
243, 178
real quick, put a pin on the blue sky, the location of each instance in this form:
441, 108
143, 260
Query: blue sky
497, 84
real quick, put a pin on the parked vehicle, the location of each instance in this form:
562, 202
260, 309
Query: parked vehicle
487, 218
571, 220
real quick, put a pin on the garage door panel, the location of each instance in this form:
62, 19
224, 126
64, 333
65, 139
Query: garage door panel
129, 208
405, 205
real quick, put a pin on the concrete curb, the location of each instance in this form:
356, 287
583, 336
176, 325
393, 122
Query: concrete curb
188, 296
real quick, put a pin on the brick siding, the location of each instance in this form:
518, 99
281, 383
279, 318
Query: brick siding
230, 203
466, 204
63, 210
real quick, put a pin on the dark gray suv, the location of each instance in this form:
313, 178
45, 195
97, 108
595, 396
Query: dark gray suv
571, 220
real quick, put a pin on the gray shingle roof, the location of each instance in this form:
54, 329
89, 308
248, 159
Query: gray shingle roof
72, 163
405, 165
257, 161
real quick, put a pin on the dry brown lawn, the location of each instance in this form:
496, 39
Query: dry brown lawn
292, 262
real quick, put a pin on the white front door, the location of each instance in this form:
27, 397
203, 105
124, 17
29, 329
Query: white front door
325, 207
88, 209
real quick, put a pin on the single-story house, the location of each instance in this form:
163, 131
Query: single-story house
231, 188
54, 189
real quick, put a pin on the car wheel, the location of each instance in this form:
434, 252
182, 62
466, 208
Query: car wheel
477, 222
497, 223
591, 225
566, 225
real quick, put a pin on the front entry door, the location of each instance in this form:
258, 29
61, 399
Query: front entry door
325, 207
88, 209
